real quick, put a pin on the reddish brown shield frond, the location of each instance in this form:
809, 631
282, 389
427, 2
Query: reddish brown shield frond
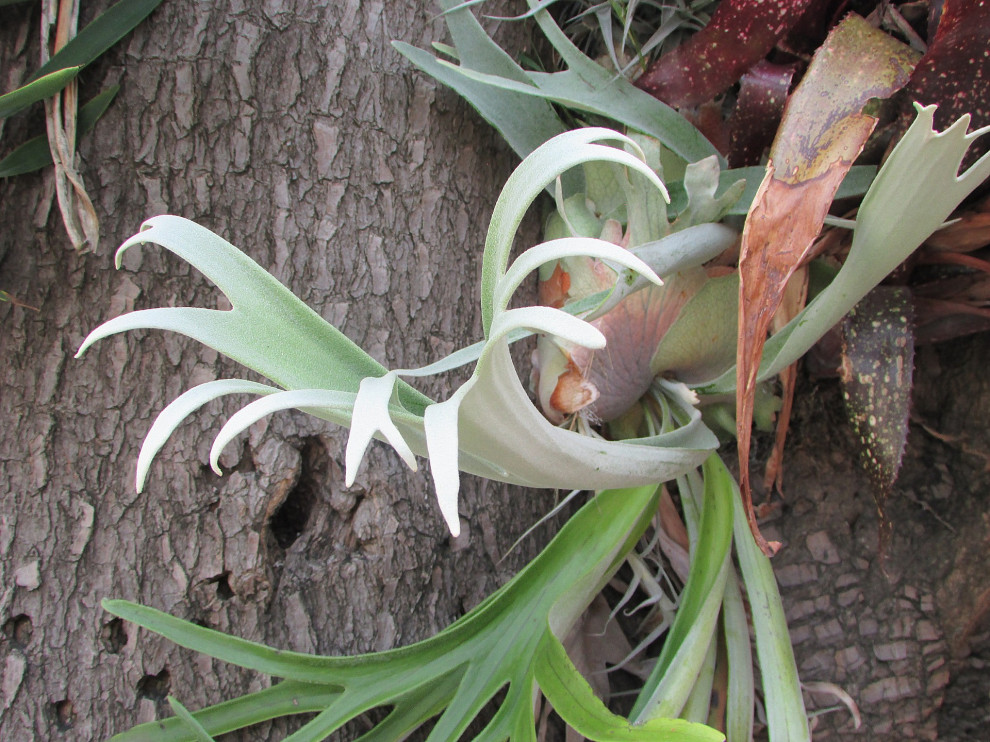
740, 33
762, 94
955, 71
822, 132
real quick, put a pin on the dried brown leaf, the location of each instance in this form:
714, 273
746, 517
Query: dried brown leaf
823, 131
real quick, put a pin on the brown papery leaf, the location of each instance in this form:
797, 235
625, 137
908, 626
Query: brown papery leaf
794, 300
821, 134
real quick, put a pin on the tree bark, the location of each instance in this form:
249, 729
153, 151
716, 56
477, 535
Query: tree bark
300, 135
296, 132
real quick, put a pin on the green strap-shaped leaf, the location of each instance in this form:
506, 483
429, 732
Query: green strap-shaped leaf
786, 715
106, 30
673, 676
574, 700
35, 153
37, 90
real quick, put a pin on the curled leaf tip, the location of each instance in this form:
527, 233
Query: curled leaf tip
371, 416
440, 424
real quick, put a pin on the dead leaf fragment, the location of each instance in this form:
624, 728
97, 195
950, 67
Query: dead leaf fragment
822, 133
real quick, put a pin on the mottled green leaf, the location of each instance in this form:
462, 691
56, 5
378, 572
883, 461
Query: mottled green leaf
876, 373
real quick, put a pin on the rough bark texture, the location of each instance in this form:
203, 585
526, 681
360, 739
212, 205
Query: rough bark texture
295, 131
907, 639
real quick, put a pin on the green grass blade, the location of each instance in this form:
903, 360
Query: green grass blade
787, 720
739, 654
36, 90
35, 154
106, 30
571, 697
199, 733
284, 699
673, 676
699, 702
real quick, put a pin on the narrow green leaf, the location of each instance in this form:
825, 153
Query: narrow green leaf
291, 665
36, 90
284, 699
198, 732
699, 703
106, 30
739, 655
35, 154
786, 715
571, 697
682, 657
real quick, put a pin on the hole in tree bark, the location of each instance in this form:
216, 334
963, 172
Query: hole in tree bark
64, 714
19, 630
155, 687
222, 581
289, 521
113, 635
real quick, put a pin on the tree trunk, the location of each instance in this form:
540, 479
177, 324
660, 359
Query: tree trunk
299, 134
296, 132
